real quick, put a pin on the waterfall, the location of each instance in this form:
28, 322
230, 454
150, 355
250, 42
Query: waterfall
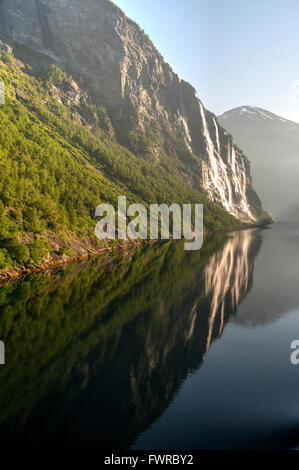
225, 183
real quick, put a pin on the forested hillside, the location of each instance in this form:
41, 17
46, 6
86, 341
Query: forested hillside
60, 158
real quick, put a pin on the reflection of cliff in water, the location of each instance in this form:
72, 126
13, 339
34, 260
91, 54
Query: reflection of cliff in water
96, 352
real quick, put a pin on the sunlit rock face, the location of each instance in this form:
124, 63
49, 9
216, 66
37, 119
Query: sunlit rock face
227, 180
122, 70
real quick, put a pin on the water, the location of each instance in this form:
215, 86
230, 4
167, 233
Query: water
157, 348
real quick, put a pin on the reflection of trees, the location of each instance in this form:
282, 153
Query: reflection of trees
96, 352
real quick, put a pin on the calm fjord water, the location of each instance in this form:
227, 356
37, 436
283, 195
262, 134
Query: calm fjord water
157, 348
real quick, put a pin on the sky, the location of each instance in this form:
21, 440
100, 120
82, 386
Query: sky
234, 52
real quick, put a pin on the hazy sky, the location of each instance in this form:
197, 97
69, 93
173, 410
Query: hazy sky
234, 52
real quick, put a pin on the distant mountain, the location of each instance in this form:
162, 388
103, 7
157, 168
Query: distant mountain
272, 145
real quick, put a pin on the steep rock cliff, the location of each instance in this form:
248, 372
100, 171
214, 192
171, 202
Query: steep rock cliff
121, 69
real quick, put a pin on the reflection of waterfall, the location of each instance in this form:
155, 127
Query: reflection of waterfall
207, 302
105, 347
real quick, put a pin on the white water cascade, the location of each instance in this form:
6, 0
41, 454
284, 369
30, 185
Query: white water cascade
225, 183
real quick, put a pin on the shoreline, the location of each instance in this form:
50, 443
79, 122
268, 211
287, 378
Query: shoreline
23, 271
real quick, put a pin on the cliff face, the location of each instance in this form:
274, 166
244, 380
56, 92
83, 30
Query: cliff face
122, 70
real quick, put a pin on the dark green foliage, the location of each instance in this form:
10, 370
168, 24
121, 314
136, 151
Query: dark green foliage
18, 252
141, 143
53, 75
97, 116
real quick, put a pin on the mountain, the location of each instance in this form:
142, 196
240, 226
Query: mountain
272, 145
93, 111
